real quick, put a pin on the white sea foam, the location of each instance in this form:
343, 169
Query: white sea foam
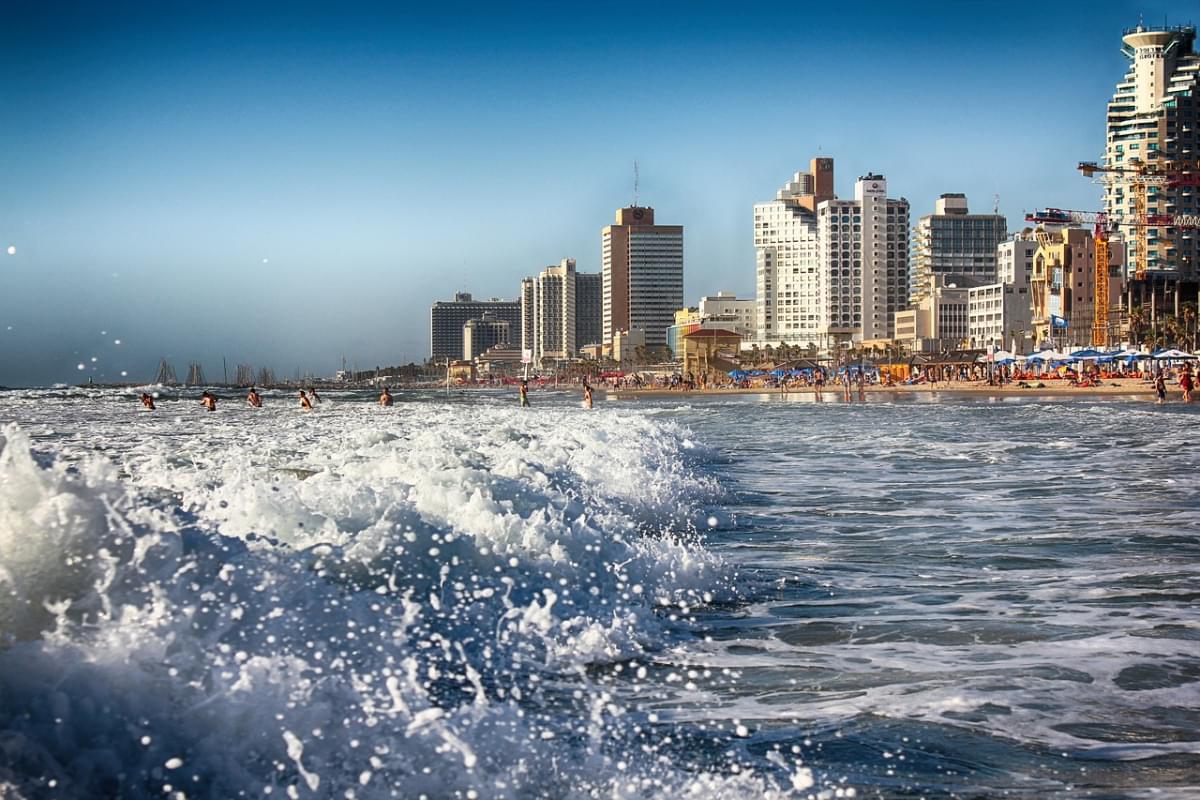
342, 604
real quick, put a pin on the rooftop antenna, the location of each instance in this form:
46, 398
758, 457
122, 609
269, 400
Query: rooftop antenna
635, 183
996, 203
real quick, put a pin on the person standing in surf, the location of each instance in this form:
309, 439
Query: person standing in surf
1186, 382
587, 394
254, 399
1160, 387
312, 393
208, 401
147, 401
305, 403
385, 399
524, 393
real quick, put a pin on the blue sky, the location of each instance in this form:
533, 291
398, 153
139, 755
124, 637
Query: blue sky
284, 184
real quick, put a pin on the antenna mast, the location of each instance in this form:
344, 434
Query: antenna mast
635, 183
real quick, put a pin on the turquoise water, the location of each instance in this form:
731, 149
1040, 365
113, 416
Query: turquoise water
710, 597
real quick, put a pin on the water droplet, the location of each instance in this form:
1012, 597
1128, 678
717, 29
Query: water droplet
116, 341
124, 374
12, 250
81, 366
174, 763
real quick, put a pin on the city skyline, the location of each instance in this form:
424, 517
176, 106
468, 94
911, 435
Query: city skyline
282, 188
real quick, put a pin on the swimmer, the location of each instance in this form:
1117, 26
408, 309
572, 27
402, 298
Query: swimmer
305, 403
208, 401
254, 399
316, 398
587, 395
385, 399
147, 401
524, 391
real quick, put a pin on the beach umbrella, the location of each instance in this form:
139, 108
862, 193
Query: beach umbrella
1087, 353
1173, 354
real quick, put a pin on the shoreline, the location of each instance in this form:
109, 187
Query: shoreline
1112, 388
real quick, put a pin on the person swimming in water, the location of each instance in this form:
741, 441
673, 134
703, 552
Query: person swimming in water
312, 393
208, 401
385, 399
305, 403
147, 401
254, 399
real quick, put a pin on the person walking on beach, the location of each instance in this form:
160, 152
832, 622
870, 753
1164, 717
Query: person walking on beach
208, 401
254, 399
1186, 383
1160, 388
587, 394
385, 399
147, 401
524, 392
305, 403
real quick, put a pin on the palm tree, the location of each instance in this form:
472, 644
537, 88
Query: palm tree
1137, 322
1188, 314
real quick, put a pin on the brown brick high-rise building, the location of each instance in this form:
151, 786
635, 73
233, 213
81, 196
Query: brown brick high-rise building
642, 275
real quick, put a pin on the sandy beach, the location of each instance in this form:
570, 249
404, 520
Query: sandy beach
1124, 387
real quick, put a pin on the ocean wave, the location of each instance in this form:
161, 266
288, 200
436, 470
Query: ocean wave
405, 607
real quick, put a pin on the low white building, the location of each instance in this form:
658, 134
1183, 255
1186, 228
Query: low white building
1000, 315
740, 316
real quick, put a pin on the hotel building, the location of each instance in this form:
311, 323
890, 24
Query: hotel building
830, 272
642, 275
446, 321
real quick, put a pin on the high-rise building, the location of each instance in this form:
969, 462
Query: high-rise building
956, 245
480, 335
643, 275
446, 321
1152, 118
830, 271
790, 284
557, 307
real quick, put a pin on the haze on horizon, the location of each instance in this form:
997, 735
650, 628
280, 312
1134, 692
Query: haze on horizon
282, 185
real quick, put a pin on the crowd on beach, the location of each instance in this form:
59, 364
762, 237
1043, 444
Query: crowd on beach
850, 380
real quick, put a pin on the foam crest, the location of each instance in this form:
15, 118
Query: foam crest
359, 614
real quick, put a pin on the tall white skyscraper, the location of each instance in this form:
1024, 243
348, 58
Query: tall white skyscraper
643, 275
1152, 119
830, 271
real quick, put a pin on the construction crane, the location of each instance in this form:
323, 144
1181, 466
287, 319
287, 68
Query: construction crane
1105, 224
1141, 175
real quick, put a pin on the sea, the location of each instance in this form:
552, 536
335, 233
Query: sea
680, 596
